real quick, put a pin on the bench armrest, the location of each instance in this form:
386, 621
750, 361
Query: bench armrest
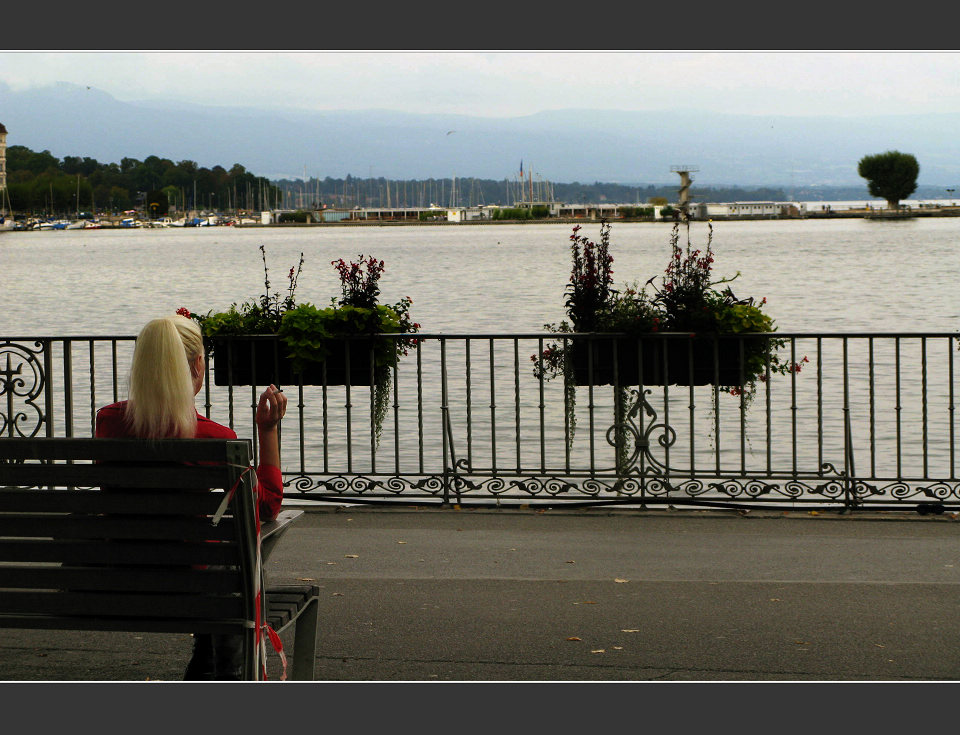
272, 531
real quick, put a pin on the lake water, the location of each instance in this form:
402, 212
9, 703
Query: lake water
818, 276
824, 275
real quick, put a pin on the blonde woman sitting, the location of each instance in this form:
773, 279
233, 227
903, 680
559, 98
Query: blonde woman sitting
165, 376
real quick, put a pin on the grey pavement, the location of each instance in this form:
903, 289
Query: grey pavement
424, 595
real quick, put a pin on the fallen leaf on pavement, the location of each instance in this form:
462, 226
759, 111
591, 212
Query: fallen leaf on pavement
620, 581
597, 650
630, 630
351, 556
573, 638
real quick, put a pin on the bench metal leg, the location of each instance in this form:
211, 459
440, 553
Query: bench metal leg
251, 670
305, 642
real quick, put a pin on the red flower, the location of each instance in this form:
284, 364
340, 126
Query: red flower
183, 311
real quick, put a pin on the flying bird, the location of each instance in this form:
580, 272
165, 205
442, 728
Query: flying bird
451, 131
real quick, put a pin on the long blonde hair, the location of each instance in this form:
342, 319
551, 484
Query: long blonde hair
162, 392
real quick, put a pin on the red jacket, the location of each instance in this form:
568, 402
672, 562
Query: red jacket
110, 424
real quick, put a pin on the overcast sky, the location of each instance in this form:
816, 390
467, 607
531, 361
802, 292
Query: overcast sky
502, 83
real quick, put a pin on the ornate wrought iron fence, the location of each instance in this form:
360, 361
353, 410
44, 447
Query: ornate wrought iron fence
867, 422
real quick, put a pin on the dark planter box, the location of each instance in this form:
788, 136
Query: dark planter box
263, 360
715, 361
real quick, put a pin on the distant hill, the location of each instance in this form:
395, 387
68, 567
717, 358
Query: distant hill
585, 146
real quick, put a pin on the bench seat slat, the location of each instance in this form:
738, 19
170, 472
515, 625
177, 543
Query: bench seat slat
285, 603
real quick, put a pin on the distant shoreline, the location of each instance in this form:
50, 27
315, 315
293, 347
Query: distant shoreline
861, 213
829, 214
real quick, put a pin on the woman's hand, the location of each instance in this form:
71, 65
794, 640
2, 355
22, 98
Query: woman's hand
271, 408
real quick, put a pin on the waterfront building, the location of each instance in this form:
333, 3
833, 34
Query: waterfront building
751, 210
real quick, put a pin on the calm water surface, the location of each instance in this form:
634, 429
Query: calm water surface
826, 276
829, 275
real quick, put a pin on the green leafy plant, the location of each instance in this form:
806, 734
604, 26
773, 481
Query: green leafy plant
311, 335
308, 331
687, 300
690, 301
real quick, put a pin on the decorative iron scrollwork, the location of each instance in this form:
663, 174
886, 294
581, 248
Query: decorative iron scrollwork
22, 383
641, 475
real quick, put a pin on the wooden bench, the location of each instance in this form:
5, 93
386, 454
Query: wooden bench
132, 535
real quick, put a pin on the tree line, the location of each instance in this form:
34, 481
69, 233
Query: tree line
40, 183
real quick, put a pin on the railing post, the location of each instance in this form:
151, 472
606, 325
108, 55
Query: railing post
67, 388
48, 385
444, 417
849, 470
449, 467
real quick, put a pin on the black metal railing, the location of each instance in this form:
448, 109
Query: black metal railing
868, 420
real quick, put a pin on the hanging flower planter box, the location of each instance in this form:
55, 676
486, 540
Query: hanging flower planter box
263, 360
665, 361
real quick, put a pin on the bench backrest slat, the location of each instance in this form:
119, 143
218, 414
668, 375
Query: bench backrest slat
118, 450
150, 475
214, 580
77, 526
130, 553
107, 604
143, 501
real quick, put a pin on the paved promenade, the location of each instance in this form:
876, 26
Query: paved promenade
588, 595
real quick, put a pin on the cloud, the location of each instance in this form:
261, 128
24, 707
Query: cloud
515, 83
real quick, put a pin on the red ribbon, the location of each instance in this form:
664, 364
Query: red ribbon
261, 626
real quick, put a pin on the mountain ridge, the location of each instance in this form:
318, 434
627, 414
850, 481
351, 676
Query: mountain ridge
572, 145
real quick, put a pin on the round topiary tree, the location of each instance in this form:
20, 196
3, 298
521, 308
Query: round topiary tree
891, 175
